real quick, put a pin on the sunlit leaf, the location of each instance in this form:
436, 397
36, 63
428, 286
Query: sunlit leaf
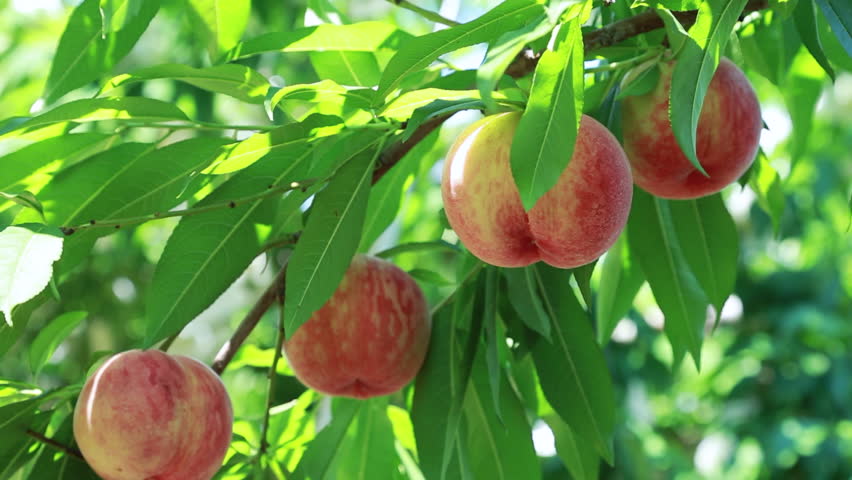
27, 253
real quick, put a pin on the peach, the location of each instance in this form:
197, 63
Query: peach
572, 224
150, 415
726, 141
369, 338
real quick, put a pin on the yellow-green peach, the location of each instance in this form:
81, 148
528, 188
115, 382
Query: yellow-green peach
572, 224
726, 141
153, 416
369, 339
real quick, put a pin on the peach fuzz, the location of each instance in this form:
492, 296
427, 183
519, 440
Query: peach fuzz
154, 416
572, 224
726, 142
369, 338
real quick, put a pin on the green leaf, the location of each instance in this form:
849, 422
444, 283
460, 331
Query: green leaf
49, 154
572, 369
621, 278
578, 456
325, 447
84, 52
60, 466
356, 37
326, 91
347, 67
15, 445
117, 14
766, 183
654, 242
709, 241
523, 293
806, 25
677, 5
207, 252
27, 253
49, 337
386, 196
25, 198
402, 107
219, 23
114, 108
768, 46
435, 109
545, 137
694, 69
280, 141
238, 81
442, 383
583, 277
437, 245
430, 276
839, 16
493, 337
502, 52
499, 448
802, 88
368, 451
640, 80
416, 54
331, 235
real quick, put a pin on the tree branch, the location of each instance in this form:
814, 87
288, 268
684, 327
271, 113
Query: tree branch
71, 452
523, 65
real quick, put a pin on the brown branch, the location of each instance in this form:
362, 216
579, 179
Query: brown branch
523, 65
71, 452
229, 349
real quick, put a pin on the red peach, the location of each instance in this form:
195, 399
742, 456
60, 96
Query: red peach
572, 224
369, 338
726, 141
151, 415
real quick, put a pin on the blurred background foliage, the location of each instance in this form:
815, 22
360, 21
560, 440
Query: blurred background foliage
773, 396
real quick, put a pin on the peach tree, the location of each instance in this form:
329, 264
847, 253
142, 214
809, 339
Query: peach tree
197, 176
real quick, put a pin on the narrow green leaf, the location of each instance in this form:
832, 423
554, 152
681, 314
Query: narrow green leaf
640, 80
386, 196
493, 337
766, 183
442, 383
368, 451
49, 154
418, 53
436, 109
572, 369
523, 293
326, 91
15, 444
49, 337
802, 88
26, 199
84, 53
694, 70
238, 81
839, 16
347, 67
59, 466
545, 137
430, 276
583, 277
578, 456
331, 235
654, 242
402, 107
620, 281
502, 52
207, 252
806, 24
27, 253
325, 447
362, 36
437, 245
113, 108
219, 23
499, 449
709, 241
